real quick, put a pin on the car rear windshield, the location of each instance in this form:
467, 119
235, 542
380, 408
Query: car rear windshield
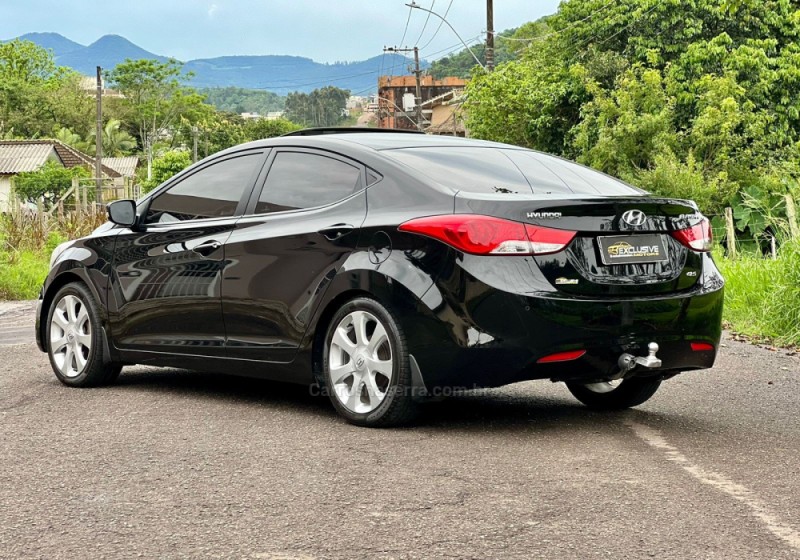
497, 170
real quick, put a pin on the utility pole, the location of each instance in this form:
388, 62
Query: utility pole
98, 164
418, 75
489, 35
194, 144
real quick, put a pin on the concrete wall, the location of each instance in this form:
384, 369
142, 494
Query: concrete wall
5, 192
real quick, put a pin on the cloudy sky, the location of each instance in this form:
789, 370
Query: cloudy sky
325, 30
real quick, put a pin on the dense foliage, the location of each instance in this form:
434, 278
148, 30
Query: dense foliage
165, 166
240, 100
36, 96
695, 98
322, 107
48, 184
507, 46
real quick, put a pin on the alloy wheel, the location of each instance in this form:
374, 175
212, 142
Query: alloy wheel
70, 336
360, 362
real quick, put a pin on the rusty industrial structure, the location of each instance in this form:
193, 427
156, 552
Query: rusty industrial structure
397, 98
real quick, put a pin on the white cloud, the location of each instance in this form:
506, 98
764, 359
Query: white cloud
212, 9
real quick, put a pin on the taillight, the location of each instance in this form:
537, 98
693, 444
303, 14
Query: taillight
697, 237
485, 235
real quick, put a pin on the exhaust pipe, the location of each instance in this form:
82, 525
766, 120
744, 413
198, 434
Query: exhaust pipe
628, 362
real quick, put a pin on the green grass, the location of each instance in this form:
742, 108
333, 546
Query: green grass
762, 296
22, 274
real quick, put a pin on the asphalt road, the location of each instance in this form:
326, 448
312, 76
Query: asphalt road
173, 464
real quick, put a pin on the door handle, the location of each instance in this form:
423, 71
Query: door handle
207, 248
336, 231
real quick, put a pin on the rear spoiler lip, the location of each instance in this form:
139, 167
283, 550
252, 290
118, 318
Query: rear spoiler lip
544, 201
599, 214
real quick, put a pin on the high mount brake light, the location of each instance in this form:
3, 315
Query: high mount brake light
697, 237
485, 235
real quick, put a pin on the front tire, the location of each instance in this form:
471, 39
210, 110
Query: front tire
74, 339
611, 395
366, 366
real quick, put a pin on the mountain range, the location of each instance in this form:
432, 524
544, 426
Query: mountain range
278, 73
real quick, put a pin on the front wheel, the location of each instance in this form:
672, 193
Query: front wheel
366, 366
615, 395
75, 339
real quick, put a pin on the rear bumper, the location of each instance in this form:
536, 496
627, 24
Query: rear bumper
483, 336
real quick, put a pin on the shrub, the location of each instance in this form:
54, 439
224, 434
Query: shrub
47, 184
165, 166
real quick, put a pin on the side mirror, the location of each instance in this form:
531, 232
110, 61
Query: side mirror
122, 212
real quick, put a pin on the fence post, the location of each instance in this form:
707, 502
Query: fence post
77, 189
791, 214
730, 231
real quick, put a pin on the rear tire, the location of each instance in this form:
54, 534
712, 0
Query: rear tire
74, 339
608, 396
366, 366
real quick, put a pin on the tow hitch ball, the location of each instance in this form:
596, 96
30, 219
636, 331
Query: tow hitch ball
627, 361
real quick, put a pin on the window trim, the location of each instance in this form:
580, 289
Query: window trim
247, 193
262, 182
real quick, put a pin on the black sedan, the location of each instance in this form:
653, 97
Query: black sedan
387, 269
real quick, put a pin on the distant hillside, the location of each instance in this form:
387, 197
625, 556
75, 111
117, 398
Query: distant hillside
280, 74
238, 100
59, 44
107, 51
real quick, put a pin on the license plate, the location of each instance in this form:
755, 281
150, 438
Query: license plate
632, 249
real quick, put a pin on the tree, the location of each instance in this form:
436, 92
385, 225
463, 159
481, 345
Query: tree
240, 100
165, 166
258, 129
695, 99
116, 142
31, 86
47, 184
155, 97
66, 136
321, 107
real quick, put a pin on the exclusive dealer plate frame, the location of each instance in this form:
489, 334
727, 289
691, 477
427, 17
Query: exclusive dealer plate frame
632, 249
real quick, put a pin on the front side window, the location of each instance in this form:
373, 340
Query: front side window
212, 192
303, 180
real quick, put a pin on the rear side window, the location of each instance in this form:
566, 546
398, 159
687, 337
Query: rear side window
303, 180
493, 170
483, 170
212, 192
538, 167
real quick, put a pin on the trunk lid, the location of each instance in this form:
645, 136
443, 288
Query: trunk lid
623, 245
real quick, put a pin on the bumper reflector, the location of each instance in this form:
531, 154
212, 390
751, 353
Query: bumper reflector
561, 357
702, 347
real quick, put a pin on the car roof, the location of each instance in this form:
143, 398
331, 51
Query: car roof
384, 141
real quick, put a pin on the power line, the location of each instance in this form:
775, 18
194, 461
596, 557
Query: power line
453, 48
427, 19
607, 39
329, 81
570, 26
435, 33
405, 31
473, 43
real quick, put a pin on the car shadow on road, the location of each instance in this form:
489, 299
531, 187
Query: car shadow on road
524, 407
246, 391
